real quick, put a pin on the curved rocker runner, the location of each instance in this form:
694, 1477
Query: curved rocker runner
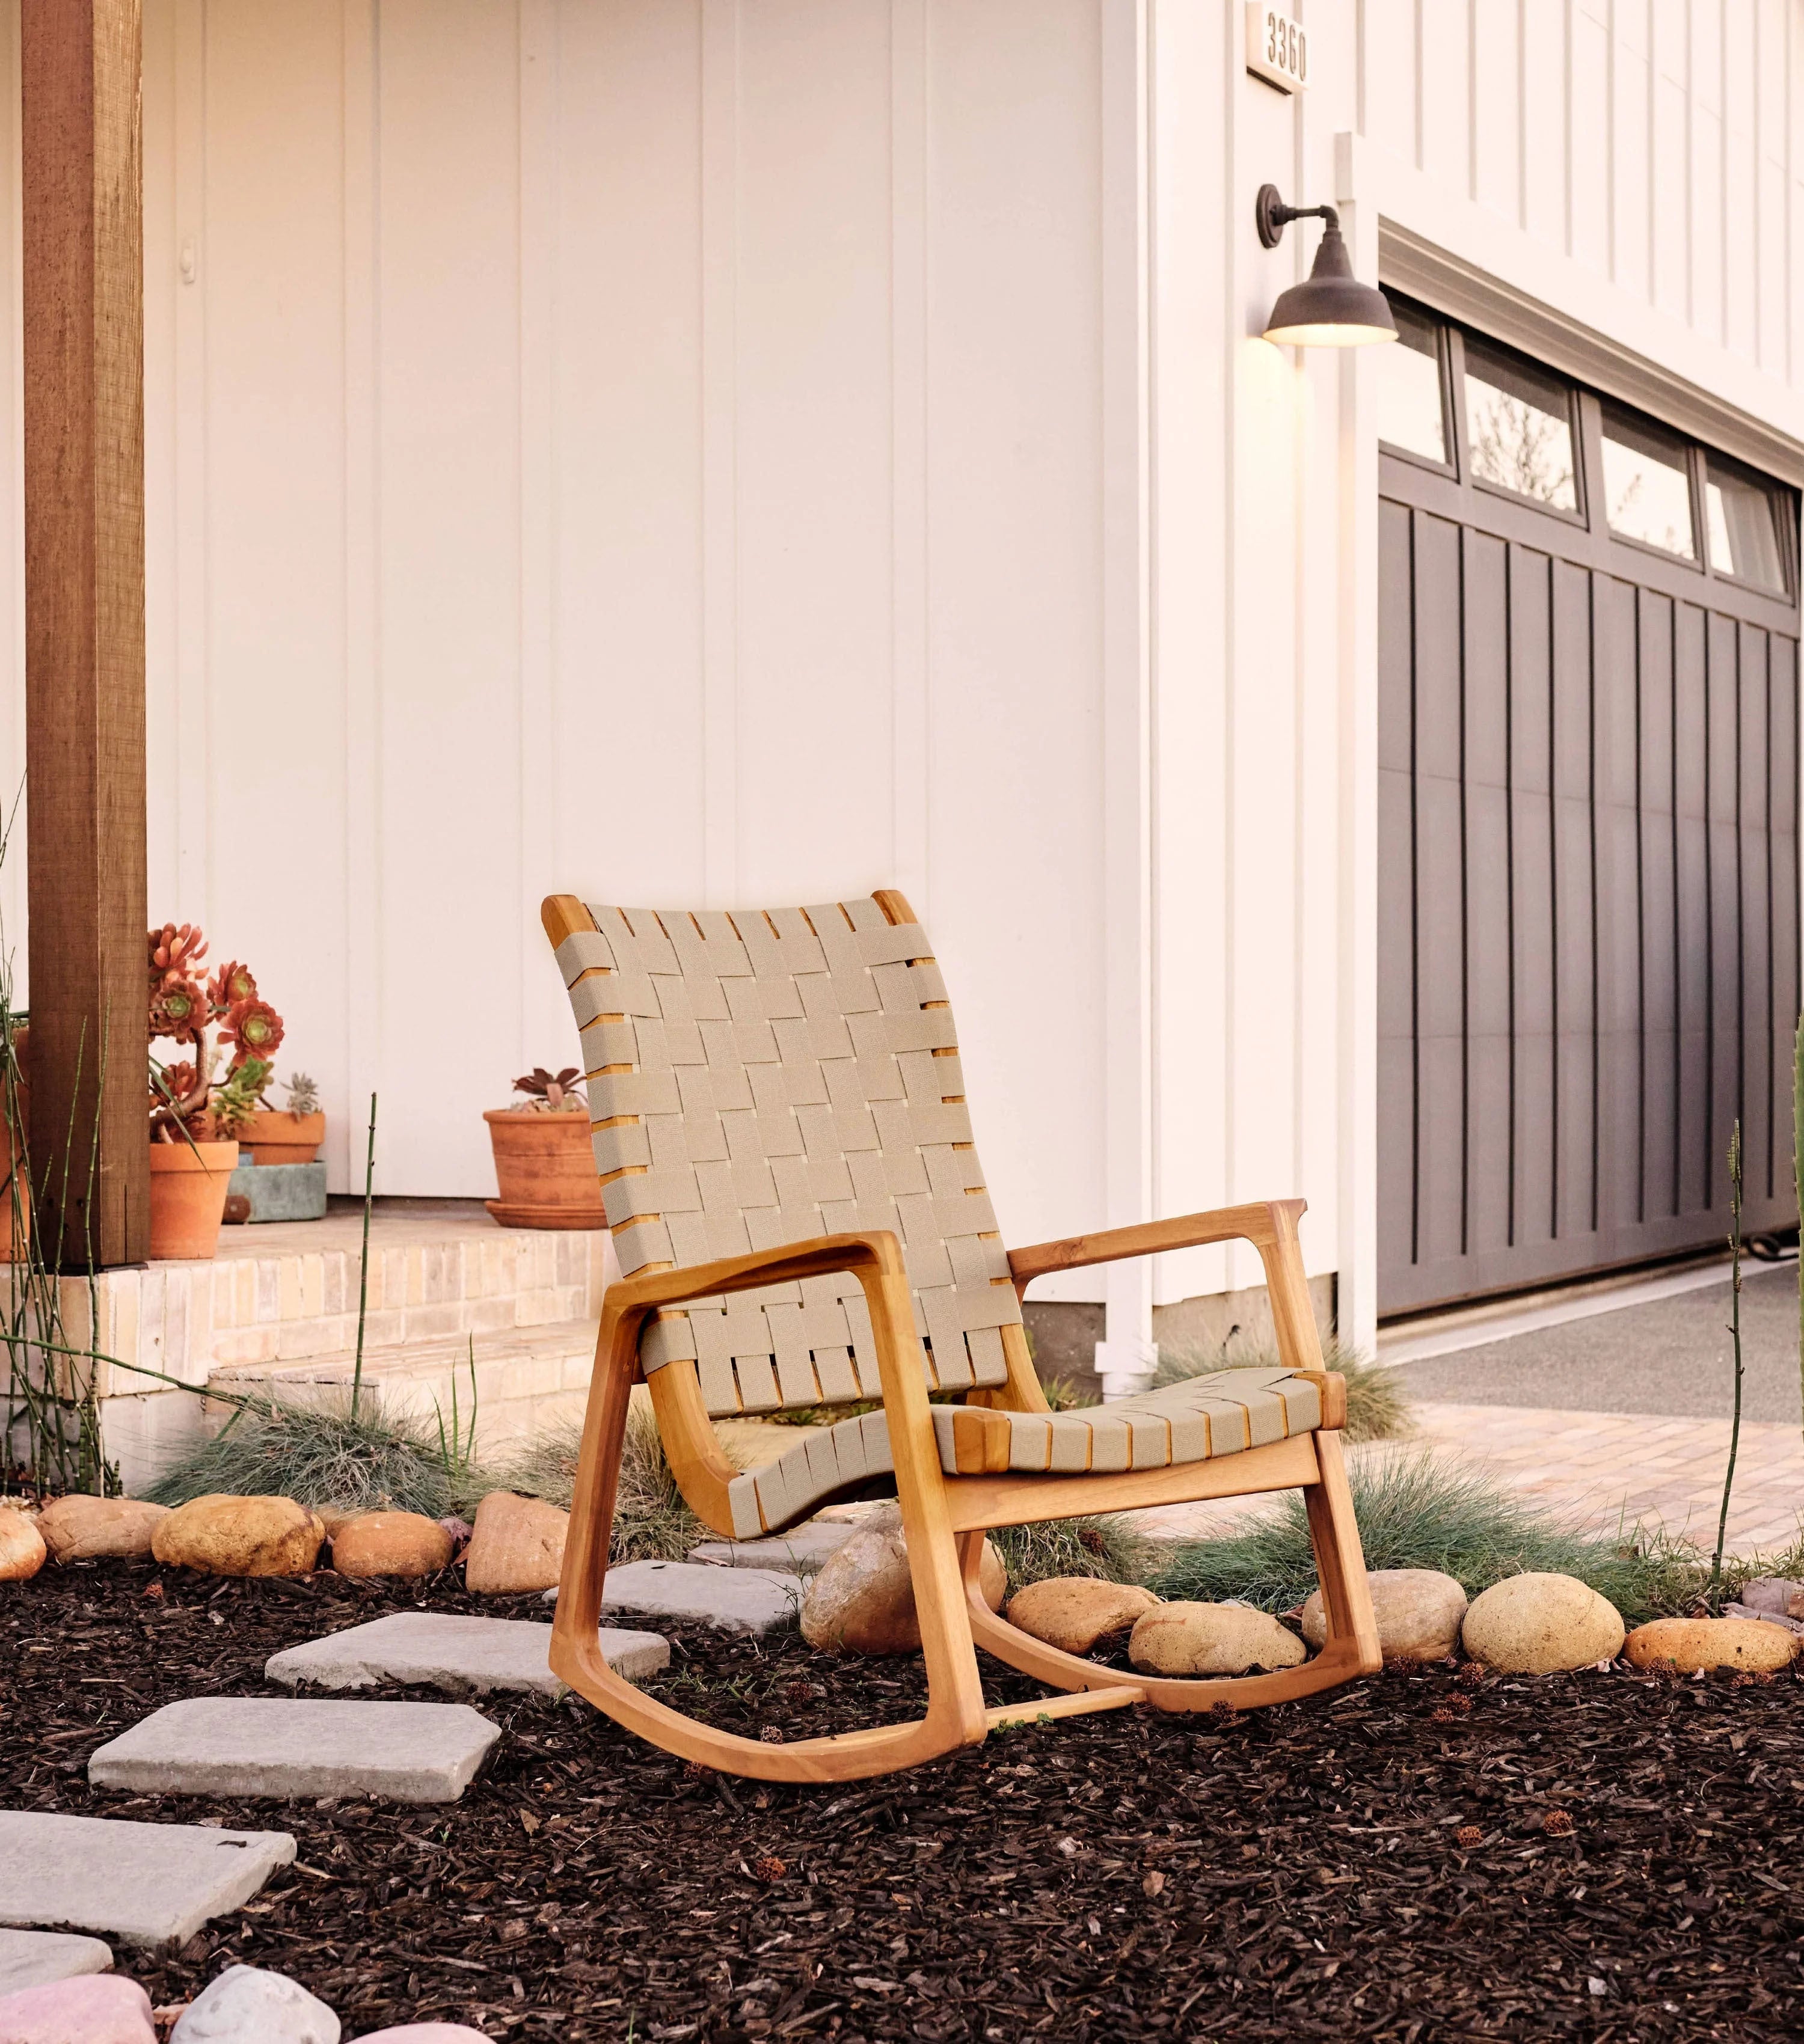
786, 1161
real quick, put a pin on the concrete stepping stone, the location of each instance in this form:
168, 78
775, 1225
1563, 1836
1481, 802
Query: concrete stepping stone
150, 1885
756, 1600
800, 1551
33, 1958
299, 1746
459, 1655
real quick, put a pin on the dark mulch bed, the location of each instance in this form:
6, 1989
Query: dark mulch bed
1294, 1873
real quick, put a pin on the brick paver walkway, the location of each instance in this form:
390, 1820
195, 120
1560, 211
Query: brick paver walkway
1607, 1467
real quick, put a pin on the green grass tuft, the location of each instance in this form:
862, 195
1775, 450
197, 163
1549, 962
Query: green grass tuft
1377, 1409
1416, 1512
320, 1455
1108, 1548
652, 1523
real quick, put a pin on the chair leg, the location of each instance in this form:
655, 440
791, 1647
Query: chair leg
576, 1655
1352, 1649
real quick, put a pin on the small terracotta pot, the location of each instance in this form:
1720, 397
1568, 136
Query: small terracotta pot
545, 1165
187, 1198
277, 1137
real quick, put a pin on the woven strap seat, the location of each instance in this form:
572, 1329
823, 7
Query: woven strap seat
1199, 1419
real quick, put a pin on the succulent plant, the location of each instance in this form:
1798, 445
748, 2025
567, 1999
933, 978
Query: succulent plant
557, 1092
303, 1095
183, 1006
251, 1029
231, 984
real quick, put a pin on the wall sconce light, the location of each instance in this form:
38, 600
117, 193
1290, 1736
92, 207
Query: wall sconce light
1333, 309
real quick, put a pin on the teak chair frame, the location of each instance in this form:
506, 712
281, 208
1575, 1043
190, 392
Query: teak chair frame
945, 1517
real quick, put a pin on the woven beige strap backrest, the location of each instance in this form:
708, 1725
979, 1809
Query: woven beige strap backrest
770, 1077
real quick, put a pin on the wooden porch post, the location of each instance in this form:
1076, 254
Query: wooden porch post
82, 174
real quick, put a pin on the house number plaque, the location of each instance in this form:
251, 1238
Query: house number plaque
1278, 48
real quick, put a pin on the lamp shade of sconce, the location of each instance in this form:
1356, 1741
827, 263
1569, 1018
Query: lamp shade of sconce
1332, 308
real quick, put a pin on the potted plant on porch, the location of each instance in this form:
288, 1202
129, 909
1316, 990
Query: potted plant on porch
544, 1161
290, 1135
195, 1116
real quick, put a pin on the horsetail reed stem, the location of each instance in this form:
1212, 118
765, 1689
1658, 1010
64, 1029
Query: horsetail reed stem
1798, 1181
363, 1271
1715, 1593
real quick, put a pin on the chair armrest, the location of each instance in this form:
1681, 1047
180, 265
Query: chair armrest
1265, 1225
1270, 1226
874, 1250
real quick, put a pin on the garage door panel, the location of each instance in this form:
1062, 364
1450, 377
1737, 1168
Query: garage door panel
1534, 1121
1589, 878
1441, 1166
1396, 638
1488, 1197
1435, 671
1531, 658
1486, 652
1397, 922
1440, 879
1575, 1209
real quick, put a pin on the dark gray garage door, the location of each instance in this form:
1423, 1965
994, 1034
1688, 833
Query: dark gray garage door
1588, 857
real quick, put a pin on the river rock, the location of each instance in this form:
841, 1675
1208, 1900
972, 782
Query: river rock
100, 2008
1689, 1644
425, 2033
391, 1543
517, 1544
84, 1529
223, 1535
1537, 1624
1774, 1596
246, 2005
1418, 1612
1211, 1639
862, 1601
22, 1547
1074, 1613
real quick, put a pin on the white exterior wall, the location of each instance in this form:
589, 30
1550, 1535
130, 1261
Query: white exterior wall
733, 451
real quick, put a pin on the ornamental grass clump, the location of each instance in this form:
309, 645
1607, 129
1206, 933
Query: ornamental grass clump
1422, 1512
1108, 1548
326, 1455
652, 1521
1377, 1409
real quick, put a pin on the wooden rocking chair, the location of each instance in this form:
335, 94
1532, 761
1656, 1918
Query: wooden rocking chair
787, 1166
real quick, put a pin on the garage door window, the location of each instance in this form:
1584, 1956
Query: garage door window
1743, 526
1412, 406
1647, 485
1519, 424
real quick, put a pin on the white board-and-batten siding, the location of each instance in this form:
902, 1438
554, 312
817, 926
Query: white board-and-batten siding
725, 452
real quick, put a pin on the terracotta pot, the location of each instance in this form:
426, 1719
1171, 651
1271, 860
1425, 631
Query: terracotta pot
545, 1166
276, 1137
187, 1197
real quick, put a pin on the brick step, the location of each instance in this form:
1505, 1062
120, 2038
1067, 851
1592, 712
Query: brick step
523, 1377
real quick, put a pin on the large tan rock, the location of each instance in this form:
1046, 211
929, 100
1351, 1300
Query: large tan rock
517, 1544
1074, 1613
22, 1547
1211, 1639
1689, 1644
85, 1529
862, 1601
222, 1535
1418, 1612
391, 1543
1537, 1624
